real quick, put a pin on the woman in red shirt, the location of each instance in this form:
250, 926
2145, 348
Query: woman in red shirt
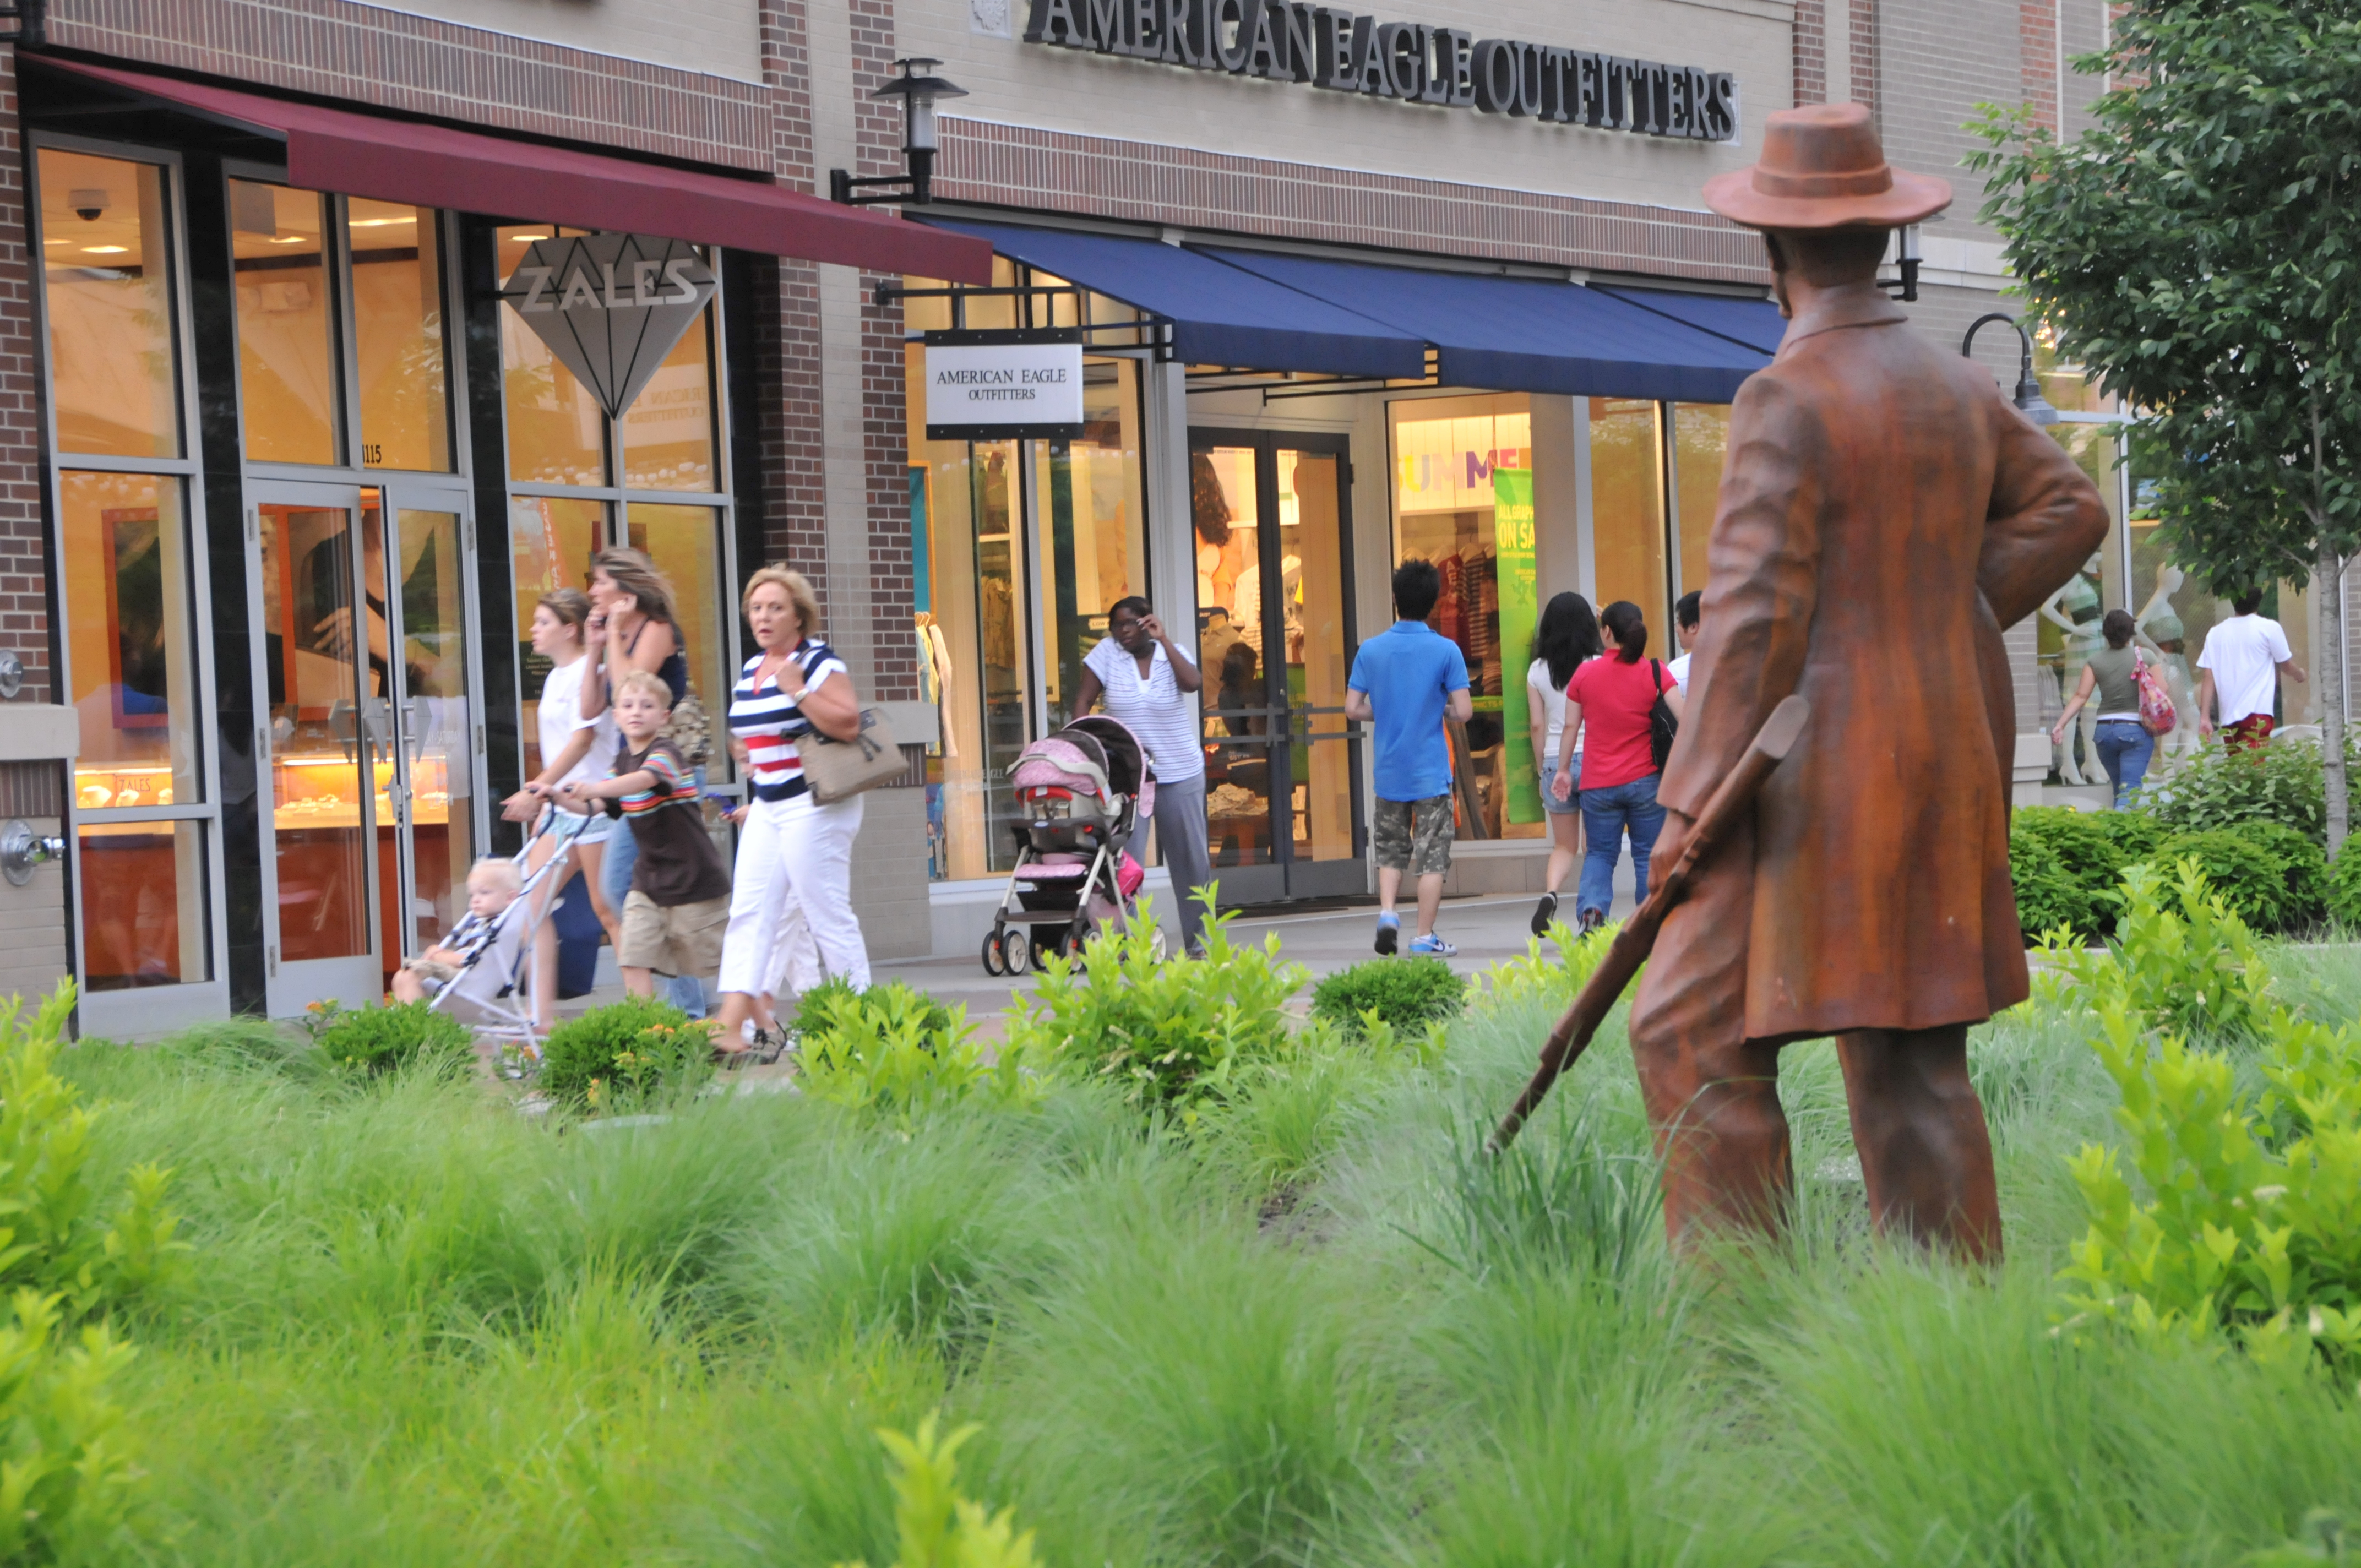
1613, 695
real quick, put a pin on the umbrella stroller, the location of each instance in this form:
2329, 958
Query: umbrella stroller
1078, 793
483, 994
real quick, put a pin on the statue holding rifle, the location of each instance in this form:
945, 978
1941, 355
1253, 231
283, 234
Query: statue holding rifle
1835, 853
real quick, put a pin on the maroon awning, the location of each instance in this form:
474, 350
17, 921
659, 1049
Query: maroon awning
420, 165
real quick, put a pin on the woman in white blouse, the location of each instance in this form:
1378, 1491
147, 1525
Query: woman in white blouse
1567, 635
572, 747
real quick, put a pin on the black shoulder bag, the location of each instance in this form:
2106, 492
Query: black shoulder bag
1662, 726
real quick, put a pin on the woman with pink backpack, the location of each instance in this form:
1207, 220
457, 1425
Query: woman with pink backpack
2134, 707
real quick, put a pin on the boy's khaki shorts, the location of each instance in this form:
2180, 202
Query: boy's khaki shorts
684, 939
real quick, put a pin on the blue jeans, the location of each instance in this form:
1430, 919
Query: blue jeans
2125, 747
687, 992
1606, 814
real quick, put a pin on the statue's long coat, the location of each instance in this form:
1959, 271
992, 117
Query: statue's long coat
1883, 513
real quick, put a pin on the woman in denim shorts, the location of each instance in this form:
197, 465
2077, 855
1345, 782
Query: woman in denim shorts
1566, 635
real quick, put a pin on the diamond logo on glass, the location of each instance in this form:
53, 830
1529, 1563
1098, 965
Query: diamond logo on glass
610, 306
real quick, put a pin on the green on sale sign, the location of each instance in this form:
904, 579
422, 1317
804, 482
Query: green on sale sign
1512, 534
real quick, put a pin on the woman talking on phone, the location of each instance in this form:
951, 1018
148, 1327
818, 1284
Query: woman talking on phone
1141, 679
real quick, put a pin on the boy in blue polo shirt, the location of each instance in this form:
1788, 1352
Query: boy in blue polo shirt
1404, 681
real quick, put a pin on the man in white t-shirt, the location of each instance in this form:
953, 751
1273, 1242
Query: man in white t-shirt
1686, 616
2243, 660
1139, 676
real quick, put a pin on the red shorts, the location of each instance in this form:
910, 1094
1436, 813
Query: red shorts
2250, 733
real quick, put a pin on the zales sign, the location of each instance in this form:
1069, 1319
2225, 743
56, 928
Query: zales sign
610, 306
1291, 41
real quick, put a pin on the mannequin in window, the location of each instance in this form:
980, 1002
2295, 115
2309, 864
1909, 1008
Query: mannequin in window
2162, 633
2075, 611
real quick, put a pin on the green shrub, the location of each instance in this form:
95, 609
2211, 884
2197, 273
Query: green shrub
2066, 863
53, 1240
2343, 891
2283, 781
817, 1009
630, 1047
1553, 978
1172, 1031
2303, 870
379, 1040
2249, 878
937, 1526
2183, 961
1407, 993
65, 1479
896, 1052
2244, 1228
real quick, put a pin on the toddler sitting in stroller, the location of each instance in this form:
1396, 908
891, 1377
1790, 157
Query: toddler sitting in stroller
493, 885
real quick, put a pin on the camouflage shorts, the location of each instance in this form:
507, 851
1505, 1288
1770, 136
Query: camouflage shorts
1413, 836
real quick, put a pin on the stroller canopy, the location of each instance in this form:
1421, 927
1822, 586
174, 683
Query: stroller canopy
1125, 765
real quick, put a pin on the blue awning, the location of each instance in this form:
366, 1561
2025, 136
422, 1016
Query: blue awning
1516, 334
1220, 316
1757, 323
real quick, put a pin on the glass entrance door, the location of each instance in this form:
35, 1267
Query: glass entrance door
369, 736
1274, 636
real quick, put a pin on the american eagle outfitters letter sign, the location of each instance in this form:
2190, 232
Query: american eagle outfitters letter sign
1005, 386
610, 306
1290, 40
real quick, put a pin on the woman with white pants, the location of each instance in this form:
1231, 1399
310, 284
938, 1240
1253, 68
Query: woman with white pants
790, 848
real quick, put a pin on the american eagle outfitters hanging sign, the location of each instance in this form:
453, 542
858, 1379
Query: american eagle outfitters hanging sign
1024, 384
1290, 40
610, 306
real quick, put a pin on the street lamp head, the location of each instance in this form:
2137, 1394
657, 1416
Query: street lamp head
2028, 399
918, 92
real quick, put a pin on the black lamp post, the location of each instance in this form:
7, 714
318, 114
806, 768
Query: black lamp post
1905, 260
918, 91
2028, 399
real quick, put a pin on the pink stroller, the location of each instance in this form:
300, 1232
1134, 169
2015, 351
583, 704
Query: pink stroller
1079, 793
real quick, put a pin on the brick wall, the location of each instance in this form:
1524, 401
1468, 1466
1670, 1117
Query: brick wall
391, 59
1812, 50
1861, 52
24, 547
793, 495
1145, 182
884, 435
2037, 42
1937, 60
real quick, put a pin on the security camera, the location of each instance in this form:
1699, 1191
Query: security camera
88, 204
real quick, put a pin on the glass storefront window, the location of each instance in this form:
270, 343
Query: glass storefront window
286, 357
142, 896
1627, 512
397, 332
437, 717
113, 367
685, 545
1318, 653
1464, 500
1226, 504
668, 429
556, 430
130, 638
1700, 436
551, 541
983, 514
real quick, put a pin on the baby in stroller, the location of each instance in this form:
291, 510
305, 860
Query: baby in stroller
492, 886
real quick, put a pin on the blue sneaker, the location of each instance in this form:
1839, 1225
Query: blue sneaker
1432, 946
1388, 932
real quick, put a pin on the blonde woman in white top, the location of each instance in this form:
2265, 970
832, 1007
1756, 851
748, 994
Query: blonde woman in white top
1566, 636
573, 747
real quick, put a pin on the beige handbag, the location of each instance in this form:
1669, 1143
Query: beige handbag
837, 770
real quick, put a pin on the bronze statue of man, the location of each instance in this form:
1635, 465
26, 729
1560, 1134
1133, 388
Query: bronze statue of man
1883, 513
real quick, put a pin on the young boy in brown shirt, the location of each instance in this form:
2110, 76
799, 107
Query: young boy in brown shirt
679, 904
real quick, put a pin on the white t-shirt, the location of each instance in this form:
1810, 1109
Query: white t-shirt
2243, 653
1155, 709
1678, 669
1547, 695
561, 715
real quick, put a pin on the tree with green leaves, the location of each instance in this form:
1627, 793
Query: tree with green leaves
2200, 248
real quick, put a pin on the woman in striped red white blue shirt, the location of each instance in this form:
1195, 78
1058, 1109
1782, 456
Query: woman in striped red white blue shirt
789, 848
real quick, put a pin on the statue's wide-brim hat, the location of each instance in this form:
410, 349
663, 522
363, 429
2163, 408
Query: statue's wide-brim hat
1823, 167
